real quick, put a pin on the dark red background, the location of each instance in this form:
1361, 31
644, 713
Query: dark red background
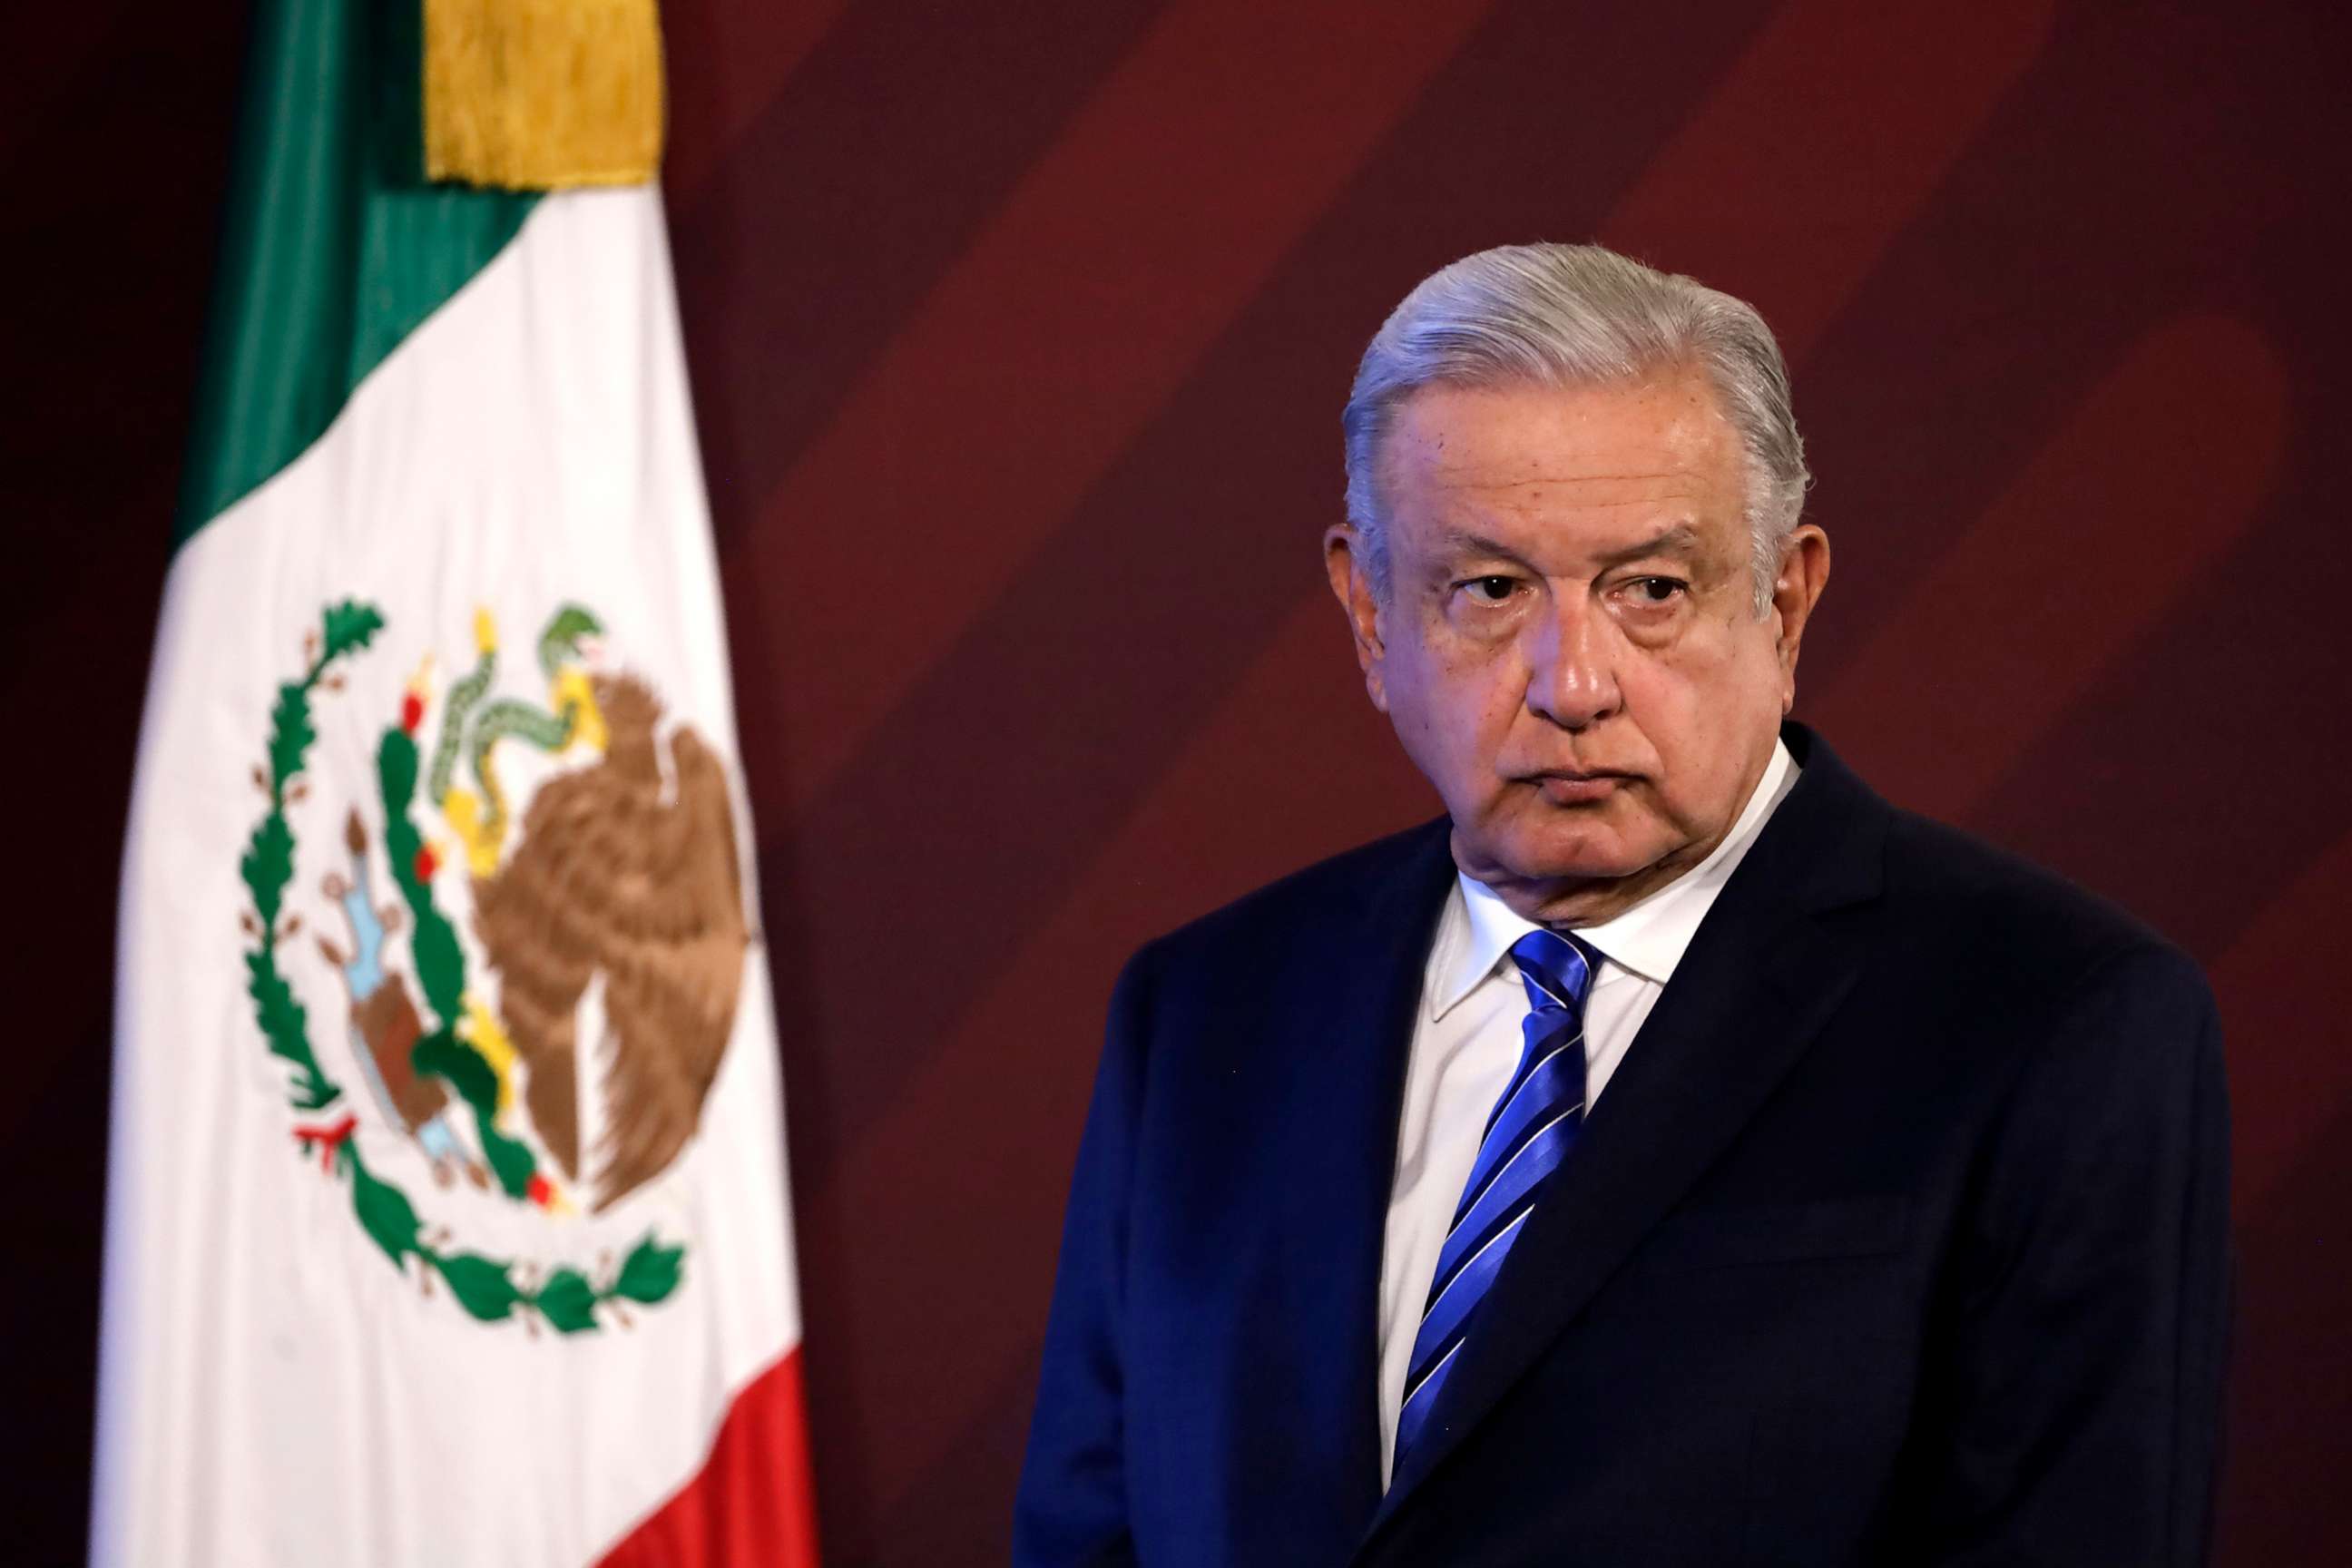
1019, 337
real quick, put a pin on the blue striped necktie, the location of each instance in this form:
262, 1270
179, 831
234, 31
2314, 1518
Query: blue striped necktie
1532, 1129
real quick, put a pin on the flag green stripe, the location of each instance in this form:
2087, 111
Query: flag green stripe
334, 248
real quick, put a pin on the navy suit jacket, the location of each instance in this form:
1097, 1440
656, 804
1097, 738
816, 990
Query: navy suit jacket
1897, 1239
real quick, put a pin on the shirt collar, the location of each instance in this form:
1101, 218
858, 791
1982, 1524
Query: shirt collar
1649, 938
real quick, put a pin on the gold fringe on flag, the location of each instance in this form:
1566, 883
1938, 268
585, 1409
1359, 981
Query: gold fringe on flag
540, 94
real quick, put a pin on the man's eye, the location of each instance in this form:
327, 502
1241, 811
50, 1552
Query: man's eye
1488, 589
1657, 590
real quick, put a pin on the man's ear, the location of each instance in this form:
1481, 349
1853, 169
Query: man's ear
1804, 572
1347, 561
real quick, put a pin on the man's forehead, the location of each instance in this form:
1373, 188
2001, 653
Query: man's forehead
1635, 480
1684, 537
1654, 427
1634, 459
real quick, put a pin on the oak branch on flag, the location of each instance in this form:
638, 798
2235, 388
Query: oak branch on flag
447, 1127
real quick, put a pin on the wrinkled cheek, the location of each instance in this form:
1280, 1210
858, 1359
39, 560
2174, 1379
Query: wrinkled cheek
1410, 711
1450, 735
1481, 739
1698, 790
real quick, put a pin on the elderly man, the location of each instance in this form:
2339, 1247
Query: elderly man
1675, 1154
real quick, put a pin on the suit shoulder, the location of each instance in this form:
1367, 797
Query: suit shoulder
1257, 923
2025, 920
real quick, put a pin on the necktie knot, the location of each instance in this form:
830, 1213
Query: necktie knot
1556, 968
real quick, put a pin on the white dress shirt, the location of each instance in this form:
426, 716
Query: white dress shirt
1466, 1045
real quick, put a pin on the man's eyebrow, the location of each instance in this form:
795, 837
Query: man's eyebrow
1467, 542
1682, 538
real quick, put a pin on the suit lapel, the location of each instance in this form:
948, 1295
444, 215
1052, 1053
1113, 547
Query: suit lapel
1758, 982
1340, 1160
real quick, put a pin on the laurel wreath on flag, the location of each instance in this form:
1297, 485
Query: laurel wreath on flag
490, 1290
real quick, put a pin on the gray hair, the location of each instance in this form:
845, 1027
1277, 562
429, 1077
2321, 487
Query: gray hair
1564, 315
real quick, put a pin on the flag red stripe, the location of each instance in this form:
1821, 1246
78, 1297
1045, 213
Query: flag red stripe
752, 1501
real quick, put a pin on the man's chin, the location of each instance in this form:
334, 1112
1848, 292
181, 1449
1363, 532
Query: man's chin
1546, 863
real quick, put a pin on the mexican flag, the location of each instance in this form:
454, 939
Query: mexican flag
446, 1214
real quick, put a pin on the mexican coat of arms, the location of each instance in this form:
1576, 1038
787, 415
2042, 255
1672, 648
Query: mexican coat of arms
538, 986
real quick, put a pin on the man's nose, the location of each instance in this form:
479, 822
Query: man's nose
1571, 675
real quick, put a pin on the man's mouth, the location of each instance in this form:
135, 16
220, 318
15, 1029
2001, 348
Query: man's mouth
1569, 786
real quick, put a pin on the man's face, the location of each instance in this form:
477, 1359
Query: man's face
1569, 648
